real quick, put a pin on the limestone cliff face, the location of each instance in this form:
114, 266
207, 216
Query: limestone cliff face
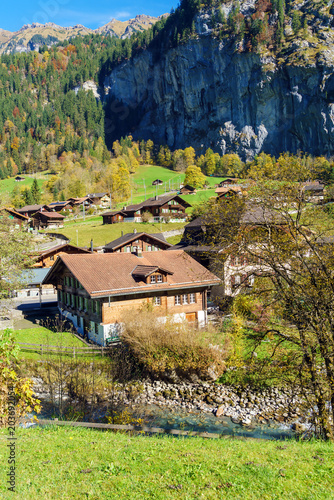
207, 94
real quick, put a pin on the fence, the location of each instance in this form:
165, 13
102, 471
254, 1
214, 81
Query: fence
134, 428
68, 350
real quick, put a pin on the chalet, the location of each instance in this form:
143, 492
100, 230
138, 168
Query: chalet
48, 257
228, 191
314, 191
31, 284
157, 182
228, 182
187, 190
100, 199
94, 290
58, 206
77, 202
131, 242
160, 207
30, 210
113, 216
18, 178
20, 220
50, 220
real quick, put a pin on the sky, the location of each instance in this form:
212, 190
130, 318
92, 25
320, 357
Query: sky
70, 12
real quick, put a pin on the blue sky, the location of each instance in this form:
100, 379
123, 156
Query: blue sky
71, 12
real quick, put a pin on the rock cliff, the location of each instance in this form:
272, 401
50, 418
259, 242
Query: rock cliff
206, 93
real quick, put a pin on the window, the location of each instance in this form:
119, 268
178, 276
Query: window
165, 210
149, 248
177, 301
157, 301
153, 279
192, 298
185, 299
128, 249
159, 278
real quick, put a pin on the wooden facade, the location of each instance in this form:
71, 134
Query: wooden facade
134, 242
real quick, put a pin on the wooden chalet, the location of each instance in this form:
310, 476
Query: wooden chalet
100, 199
187, 190
58, 206
77, 202
227, 192
160, 207
48, 257
113, 216
18, 178
50, 220
29, 210
157, 182
314, 191
95, 290
132, 242
20, 220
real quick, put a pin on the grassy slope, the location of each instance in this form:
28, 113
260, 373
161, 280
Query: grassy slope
7, 185
102, 234
82, 463
41, 335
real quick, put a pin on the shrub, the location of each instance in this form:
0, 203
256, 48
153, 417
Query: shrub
169, 349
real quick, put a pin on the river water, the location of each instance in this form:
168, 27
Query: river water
167, 418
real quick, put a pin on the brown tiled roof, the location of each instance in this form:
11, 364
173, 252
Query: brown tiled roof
29, 208
156, 201
50, 215
112, 273
59, 248
128, 237
223, 190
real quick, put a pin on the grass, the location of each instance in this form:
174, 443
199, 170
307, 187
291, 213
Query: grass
82, 233
41, 335
7, 185
73, 463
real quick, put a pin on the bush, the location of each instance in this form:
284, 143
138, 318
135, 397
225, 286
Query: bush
169, 349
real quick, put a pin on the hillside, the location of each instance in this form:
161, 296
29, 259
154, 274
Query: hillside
32, 36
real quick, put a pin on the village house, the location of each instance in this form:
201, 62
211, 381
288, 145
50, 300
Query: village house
29, 210
113, 216
157, 182
48, 257
49, 220
20, 220
228, 191
95, 290
314, 191
58, 206
101, 200
131, 242
187, 190
171, 207
228, 182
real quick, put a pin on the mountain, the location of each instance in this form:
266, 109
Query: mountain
256, 78
33, 36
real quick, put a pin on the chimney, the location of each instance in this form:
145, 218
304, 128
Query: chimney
91, 246
156, 197
122, 233
134, 231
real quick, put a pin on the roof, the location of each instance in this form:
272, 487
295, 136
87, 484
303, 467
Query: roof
15, 213
186, 186
157, 181
223, 190
59, 248
50, 215
107, 274
29, 208
144, 271
113, 212
34, 276
96, 195
156, 201
58, 203
260, 215
127, 238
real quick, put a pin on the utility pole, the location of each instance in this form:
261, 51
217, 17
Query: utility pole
83, 210
144, 187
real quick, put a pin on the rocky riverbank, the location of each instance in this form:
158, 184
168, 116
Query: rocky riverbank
243, 405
